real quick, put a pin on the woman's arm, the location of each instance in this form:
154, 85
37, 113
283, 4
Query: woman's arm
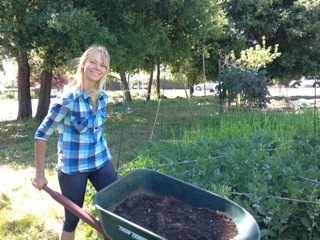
40, 151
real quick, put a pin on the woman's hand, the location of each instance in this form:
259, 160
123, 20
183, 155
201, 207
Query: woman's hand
39, 181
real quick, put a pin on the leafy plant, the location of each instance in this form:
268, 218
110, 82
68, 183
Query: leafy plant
249, 86
244, 78
248, 158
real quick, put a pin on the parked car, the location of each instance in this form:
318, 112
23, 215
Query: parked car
3, 90
211, 86
305, 82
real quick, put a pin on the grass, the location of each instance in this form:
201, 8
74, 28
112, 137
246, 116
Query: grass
131, 130
130, 126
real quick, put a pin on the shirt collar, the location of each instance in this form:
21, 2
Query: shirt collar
85, 96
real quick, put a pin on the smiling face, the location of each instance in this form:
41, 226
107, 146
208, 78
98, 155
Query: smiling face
94, 69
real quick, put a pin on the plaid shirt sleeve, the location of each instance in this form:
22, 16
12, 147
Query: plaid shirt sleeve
57, 113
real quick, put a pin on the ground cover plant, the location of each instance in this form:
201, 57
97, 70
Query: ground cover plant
267, 161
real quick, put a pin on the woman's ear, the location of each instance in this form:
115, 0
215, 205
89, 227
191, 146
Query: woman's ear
83, 64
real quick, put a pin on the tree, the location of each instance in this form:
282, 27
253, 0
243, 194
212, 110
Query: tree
257, 57
151, 33
16, 34
197, 28
133, 32
293, 24
73, 30
55, 31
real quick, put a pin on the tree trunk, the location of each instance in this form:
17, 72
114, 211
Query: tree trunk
150, 84
191, 91
124, 82
158, 81
24, 97
44, 96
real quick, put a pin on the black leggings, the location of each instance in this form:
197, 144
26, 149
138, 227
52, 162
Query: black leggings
74, 188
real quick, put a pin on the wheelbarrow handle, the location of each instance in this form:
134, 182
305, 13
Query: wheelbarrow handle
76, 210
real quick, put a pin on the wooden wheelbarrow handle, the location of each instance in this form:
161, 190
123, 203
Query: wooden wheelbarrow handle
76, 210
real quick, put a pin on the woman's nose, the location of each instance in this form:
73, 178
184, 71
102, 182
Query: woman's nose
99, 66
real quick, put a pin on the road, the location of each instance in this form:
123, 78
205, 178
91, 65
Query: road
9, 108
274, 91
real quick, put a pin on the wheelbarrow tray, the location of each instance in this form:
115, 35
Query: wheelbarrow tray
151, 182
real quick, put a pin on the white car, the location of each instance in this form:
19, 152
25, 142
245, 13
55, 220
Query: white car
3, 90
211, 86
305, 82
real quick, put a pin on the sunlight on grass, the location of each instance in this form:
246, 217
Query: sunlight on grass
23, 210
26, 227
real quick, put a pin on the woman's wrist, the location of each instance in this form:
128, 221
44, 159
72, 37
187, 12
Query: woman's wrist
39, 174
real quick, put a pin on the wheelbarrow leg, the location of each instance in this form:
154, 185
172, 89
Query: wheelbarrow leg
76, 210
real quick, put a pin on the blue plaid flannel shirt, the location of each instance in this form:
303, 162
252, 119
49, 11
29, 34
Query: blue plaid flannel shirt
82, 146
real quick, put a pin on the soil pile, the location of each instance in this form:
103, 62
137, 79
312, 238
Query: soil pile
175, 220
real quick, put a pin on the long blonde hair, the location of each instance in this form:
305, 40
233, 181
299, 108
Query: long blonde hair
77, 81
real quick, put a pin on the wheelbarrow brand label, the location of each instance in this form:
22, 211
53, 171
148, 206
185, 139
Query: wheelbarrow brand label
132, 234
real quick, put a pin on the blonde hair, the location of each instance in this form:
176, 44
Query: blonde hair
77, 81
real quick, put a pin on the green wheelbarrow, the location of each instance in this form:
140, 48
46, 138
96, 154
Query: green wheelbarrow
151, 182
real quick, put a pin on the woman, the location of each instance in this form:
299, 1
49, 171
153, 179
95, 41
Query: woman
79, 114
